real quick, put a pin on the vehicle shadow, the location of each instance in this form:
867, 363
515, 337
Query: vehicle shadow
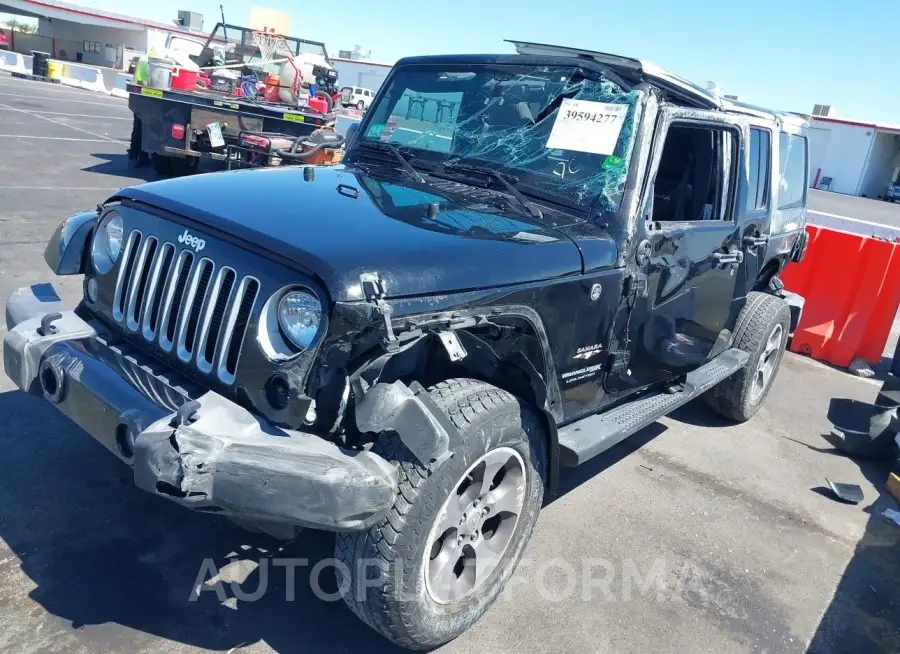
572, 478
100, 552
117, 165
692, 413
696, 413
864, 613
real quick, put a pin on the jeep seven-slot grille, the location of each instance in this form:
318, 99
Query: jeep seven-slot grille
184, 304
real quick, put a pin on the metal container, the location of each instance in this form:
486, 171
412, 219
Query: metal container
160, 74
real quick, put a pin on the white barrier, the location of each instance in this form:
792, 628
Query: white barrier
119, 90
83, 77
854, 225
13, 62
342, 122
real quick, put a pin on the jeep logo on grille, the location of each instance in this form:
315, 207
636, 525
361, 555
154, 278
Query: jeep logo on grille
192, 241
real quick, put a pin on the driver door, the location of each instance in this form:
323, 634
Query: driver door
689, 253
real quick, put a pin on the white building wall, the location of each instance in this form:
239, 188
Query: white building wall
156, 39
109, 38
880, 168
818, 138
360, 73
840, 151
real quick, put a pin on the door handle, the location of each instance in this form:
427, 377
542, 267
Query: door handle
725, 258
753, 242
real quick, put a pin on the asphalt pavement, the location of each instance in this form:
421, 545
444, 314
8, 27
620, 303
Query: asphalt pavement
693, 536
864, 216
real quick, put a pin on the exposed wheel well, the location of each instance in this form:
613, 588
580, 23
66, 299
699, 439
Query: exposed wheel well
506, 352
765, 276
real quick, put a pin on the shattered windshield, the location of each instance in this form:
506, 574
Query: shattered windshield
561, 131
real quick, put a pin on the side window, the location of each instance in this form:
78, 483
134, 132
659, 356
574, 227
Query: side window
694, 177
792, 157
760, 155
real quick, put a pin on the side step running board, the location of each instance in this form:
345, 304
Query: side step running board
595, 434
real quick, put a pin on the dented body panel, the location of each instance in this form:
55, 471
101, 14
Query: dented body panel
222, 459
477, 250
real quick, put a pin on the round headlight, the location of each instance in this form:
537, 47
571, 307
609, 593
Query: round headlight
299, 314
107, 243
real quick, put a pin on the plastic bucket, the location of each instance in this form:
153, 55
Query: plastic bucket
55, 69
159, 75
185, 80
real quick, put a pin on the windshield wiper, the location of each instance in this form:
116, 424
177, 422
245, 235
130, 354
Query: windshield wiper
524, 202
410, 172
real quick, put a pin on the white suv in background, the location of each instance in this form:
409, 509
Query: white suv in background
357, 97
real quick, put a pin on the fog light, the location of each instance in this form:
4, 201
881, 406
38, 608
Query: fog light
178, 131
278, 392
93, 289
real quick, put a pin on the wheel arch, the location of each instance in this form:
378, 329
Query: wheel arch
507, 348
770, 270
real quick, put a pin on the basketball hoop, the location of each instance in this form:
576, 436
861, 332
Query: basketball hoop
274, 49
269, 45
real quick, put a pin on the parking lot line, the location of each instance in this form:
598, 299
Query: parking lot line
40, 87
15, 82
60, 188
59, 113
48, 90
55, 138
853, 220
59, 122
47, 97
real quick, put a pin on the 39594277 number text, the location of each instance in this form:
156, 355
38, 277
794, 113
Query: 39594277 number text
591, 117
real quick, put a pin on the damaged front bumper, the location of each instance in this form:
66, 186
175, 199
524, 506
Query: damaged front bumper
202, 451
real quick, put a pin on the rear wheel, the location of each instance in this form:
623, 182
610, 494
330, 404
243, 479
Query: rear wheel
161, 164
182, 166
762, 331
455, 535
361, 105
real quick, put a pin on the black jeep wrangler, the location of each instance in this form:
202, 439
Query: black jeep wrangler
523, 260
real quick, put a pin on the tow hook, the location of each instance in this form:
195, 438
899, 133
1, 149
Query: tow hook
47, 327
186, 414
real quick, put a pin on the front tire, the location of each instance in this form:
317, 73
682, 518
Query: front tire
417, 577
762, 330
361, 105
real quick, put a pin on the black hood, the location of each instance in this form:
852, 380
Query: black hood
342, 222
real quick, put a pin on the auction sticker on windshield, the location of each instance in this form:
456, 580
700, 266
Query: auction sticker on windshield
587, 126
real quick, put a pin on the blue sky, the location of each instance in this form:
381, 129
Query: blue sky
787, 54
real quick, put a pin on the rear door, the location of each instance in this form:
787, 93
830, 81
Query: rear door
689, 249
755, 204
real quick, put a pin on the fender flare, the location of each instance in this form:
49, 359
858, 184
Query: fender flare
430, 439
65, 251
